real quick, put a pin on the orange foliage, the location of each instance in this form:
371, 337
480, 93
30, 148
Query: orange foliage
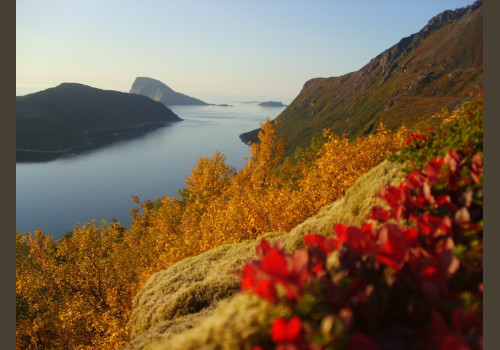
221, 206
74, 293
77, 293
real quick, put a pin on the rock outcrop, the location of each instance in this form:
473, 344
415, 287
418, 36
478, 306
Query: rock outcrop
194, 304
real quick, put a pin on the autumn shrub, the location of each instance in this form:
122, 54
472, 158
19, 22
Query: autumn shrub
220, 206
461, 131
77, 292
74, 293
411, 277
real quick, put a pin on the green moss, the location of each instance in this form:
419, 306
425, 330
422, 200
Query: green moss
194, 304
352, 209
191, 285
238, 323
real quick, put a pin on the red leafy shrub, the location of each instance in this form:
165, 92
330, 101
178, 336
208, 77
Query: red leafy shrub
414, 137
460, 131
410, 278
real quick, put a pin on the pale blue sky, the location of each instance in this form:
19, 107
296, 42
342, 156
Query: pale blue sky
260, 48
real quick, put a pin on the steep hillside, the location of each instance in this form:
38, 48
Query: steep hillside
433, 69
160, 92
73, 115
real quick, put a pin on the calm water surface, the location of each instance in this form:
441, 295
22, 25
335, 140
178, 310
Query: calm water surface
97, 185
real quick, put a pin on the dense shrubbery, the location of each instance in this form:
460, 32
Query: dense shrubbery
220, 205
411, 277
77, 292
461, 131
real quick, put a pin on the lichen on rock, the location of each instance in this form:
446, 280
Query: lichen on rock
194, 303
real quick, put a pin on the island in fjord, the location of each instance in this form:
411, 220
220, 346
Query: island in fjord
158, 91
271, 104
73, 117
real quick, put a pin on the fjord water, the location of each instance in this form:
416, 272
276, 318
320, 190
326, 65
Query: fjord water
54, 196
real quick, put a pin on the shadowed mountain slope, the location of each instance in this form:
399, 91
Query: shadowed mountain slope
433, 69
74, 115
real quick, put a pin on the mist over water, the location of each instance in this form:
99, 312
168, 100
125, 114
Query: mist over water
53, 196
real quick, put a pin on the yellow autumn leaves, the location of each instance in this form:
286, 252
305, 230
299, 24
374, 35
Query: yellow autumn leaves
220, 205
74, 293
77, 293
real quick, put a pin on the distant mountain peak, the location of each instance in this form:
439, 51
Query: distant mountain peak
160, 92
449, 16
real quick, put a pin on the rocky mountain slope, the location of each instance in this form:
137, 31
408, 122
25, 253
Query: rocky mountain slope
160, 92
72, 116
433, 69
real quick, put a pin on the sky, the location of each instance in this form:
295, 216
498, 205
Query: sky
208, 47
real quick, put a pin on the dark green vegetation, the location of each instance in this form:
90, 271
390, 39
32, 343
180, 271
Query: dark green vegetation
461, 132
160, 92
271, 104
433, 69
72, 117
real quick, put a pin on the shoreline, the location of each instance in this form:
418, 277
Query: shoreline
94, 138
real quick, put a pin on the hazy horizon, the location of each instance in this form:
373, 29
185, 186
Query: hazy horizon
208, 97
200, 47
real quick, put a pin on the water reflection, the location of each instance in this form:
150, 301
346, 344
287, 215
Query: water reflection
98, 184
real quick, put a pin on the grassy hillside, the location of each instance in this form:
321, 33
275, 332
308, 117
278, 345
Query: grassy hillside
74, 115
433, 69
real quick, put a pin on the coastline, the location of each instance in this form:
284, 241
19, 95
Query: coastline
94, 138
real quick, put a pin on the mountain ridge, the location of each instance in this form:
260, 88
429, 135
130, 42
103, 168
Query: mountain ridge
417, 77
73, 117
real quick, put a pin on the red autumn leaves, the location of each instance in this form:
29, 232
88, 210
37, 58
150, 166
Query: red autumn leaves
274, 268
288, 333
414, 137
430, 237
291, 274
